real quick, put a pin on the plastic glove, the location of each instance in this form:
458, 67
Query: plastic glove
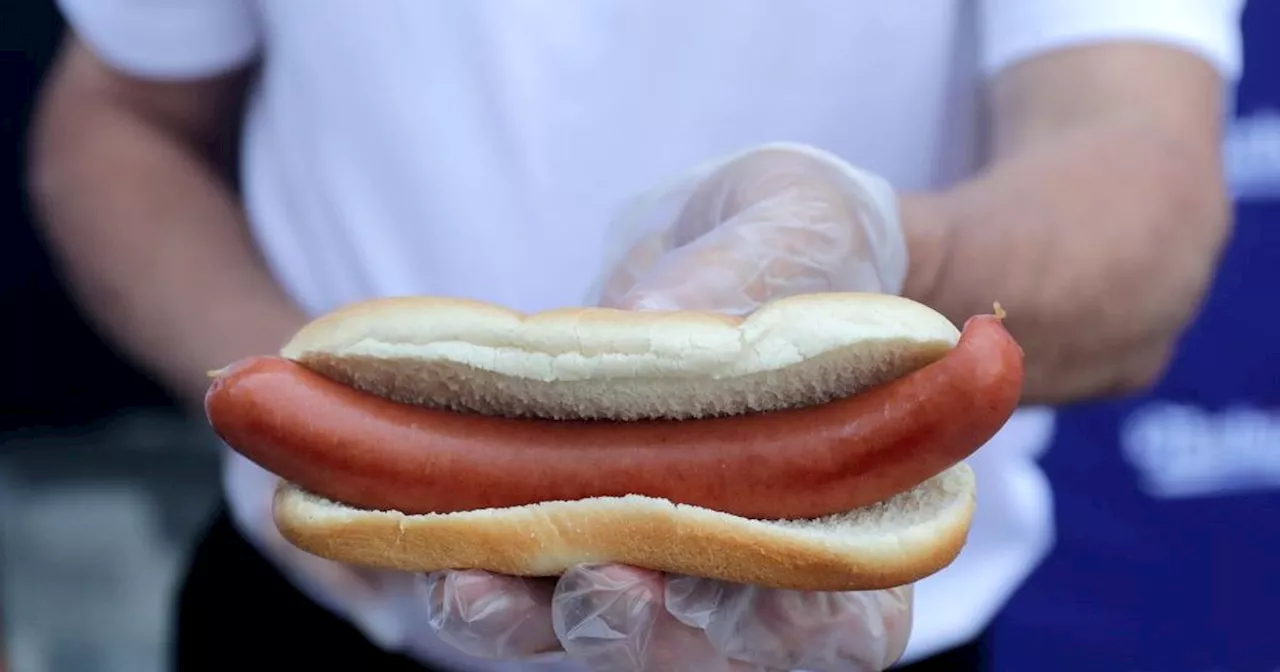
771, 222
615, 618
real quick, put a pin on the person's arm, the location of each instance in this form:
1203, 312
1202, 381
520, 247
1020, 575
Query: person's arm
1098, 223
147, 231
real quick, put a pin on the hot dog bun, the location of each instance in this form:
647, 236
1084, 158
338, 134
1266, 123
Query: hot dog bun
595, 364
896, 542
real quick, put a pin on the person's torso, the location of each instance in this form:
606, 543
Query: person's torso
429, 146
480, 148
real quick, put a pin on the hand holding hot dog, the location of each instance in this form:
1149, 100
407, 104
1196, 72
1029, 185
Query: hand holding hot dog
769, 223
626, 619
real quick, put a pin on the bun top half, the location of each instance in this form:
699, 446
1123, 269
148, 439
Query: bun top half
599, 363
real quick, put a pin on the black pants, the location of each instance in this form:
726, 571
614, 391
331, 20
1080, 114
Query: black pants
237, 612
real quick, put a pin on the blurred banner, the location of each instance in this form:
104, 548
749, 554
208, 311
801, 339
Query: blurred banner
1168, 505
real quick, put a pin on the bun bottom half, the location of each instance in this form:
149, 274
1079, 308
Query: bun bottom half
892, 543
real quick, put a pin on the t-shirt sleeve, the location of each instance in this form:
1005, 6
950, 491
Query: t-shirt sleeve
1013, 30
167, 39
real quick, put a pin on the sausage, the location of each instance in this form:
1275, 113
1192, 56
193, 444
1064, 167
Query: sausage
368, 452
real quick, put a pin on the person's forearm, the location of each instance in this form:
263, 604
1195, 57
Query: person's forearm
1100, 251
1098, 224
152, 243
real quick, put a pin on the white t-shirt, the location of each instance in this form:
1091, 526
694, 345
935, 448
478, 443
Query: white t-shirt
478, 148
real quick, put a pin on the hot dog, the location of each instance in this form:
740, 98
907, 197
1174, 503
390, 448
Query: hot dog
421, 486
805, 462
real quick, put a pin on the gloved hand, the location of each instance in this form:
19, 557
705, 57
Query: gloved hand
613, 618
771, 222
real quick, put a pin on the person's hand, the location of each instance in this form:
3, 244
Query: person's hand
768, 223
775, 221
615, 618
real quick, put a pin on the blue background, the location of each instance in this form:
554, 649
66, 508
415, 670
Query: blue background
1141, 581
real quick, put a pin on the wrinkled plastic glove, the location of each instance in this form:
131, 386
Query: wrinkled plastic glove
770, 222
775, 221
612, 618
